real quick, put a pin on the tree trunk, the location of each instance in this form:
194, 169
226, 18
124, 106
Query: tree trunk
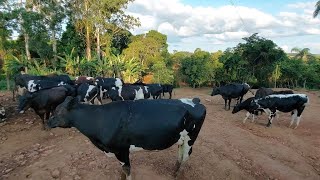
26, 43
304, 84
88, 43
54, 47
98, 43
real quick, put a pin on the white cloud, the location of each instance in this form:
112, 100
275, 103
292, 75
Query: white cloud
218, 25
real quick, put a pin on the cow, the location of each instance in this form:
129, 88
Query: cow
167, 88
128, 92
88, 93
2, 113
105, 84
294, 103
263, 92
245, 105
43, 102
154, 89
84, 79
36, 85
231, 91
21, 81
123, 126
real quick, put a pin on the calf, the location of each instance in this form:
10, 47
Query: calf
43, 102
155, 90
2, 113
263, 92
88, 93
167, 88
231, 91
127, 92
294, 103
123, 126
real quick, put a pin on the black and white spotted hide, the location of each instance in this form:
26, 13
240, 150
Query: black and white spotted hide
88, 93
294, 103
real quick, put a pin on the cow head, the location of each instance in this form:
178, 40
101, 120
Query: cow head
24, 102
236, 109
60, 115
2, 114
215, 91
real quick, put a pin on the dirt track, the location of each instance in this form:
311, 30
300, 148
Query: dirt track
225, 148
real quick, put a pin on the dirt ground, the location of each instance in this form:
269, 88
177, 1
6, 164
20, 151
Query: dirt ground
225, 149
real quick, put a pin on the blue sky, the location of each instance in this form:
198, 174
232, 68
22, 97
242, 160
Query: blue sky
218, 24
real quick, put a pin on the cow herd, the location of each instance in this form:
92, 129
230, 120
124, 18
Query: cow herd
265, 100
139, 118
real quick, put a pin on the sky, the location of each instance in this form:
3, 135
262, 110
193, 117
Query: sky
214, 25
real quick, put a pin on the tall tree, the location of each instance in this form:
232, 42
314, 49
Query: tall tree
317, 10
303, 54
97, 17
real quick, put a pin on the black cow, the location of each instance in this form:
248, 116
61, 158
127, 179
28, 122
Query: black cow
155, 90
43, 102
263, 92
294, 103
167, 88
124, 126
88, 93
2, 113
231, 91
128, 92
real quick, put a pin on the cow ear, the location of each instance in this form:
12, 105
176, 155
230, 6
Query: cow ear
72, 103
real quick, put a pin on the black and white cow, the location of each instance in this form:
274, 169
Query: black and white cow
231, 91
88, 93
294, 103
245, 105
123, 126
128, 92
105, 84
22, 81
43, 102
2, 113
36, 85
167, 88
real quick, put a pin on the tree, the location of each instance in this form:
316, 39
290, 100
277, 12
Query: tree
303, 54
97, 17
162, 74
196, 68
316, 11
148, 48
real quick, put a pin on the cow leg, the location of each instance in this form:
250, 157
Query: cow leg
252, 117
271, 117
247, 115
123, 157
293, 117
170, 93
300, 110
225, 104
229, 103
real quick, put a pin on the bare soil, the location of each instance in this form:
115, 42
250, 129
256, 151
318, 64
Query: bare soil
225, 149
